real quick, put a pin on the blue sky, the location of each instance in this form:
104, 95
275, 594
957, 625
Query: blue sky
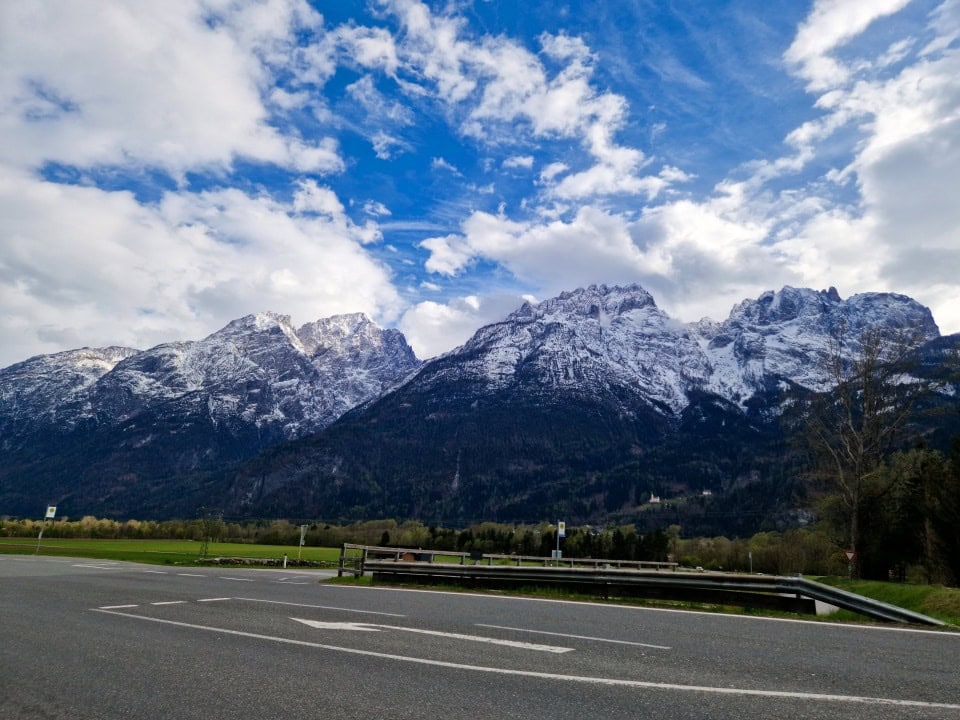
167, 167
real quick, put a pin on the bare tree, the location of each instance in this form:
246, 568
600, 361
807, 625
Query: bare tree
853, 427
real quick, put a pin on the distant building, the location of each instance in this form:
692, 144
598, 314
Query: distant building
654, 499
707, 493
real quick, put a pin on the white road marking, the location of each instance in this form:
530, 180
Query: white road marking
170, 602
320, 625
576, 637
213, 599
481, 639
156, 572
435, 633
97, 566
614, 682
829, 626
190, 575
237, 579
117, 607
321, 607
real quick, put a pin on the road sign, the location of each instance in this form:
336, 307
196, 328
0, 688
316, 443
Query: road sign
851, 555
51, 512
562, 528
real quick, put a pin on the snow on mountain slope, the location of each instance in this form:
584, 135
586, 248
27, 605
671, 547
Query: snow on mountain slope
611, 342
258, 370
40, 389
790, 334
615, 343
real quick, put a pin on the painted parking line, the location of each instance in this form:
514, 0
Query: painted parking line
576, 637
556, 677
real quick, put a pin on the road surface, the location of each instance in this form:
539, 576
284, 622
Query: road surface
97, 639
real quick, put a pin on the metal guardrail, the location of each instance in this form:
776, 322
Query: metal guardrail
750, 590
363, 553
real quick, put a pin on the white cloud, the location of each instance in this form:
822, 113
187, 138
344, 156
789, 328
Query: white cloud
121, 82
519, 161
433, 328
376, 208
552, 170
82, 266
439, 163
504, 88
830, 25
378, 107
372, 48
386, 146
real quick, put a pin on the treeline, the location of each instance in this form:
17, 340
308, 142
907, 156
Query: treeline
809, 551
909, 518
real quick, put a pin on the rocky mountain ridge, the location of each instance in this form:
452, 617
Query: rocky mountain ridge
583, 404
260, 369
601, 340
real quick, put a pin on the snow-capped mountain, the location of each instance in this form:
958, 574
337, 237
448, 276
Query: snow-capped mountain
581, 405
593, 341
790, 334
109, 430
615, 342
259, 370
52, 389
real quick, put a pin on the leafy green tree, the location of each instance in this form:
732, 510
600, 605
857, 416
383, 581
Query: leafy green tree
944, 515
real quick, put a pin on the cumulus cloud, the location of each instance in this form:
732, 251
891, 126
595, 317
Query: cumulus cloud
433, 328
82, 266
167, 86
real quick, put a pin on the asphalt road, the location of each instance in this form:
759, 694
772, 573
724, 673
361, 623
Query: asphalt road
90, 639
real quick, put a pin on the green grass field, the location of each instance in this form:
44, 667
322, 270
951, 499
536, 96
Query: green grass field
163, 552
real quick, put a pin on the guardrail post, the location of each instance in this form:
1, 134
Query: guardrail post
343, 556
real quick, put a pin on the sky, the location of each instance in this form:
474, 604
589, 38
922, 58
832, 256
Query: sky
166, 167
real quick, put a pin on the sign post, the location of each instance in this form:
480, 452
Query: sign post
561, 532
303, 534
851, 559
50, 515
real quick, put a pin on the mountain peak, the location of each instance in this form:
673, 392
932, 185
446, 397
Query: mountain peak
600, 302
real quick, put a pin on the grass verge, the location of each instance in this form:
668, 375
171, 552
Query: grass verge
159, 552
937, 601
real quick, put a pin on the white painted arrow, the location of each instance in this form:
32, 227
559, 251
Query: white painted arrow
319, 625
367, 627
